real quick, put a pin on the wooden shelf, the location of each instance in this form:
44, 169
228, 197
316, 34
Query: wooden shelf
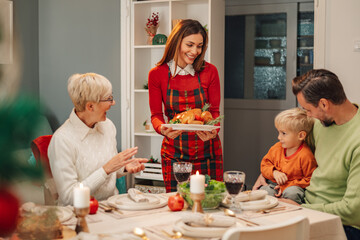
148, 134
149, 46
141, 90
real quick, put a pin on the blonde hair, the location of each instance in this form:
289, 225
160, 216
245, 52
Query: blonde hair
88, 87
296, 120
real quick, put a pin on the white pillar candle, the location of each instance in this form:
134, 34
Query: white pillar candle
81, 197
197, 183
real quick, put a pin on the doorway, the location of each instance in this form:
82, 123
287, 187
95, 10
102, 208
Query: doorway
261, 59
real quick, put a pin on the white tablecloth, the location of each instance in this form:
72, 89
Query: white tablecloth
322, 225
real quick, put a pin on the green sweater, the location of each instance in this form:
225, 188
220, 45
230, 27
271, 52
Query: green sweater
335, 184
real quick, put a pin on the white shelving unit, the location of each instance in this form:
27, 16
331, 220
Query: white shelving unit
143, 57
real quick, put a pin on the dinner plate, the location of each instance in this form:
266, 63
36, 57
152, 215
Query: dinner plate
247, 196
191, 127
190, 231
254, 205
63, 213
124, 202
268, 202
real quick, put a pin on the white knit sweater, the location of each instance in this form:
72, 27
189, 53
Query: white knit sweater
77, 154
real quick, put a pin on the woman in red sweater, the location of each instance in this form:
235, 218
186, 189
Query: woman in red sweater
182, 80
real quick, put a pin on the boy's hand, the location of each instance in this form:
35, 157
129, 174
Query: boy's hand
278, 189
280, 177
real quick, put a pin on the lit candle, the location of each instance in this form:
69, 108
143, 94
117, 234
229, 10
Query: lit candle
81, 196
197, 183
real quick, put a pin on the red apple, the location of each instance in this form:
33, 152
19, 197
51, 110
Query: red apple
94, 205
9, 212
176, 202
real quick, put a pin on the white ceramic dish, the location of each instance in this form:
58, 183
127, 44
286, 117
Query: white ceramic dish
63, 213
268, 202
205, 232
124, 202
191, 127
254, 205
247, 196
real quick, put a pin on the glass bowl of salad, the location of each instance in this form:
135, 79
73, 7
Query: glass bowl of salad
215, 193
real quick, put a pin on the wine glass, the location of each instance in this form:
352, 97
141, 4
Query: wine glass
234, 182
182, 171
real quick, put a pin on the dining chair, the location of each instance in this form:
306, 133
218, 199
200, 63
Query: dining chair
296, 228
39, 147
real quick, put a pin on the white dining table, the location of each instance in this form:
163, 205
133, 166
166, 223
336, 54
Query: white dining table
322, 225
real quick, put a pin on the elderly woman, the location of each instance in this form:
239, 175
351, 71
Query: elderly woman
84, 149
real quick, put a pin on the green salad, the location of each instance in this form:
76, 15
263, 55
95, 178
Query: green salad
214, 193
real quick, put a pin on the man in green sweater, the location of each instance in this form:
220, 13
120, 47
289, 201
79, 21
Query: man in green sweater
335, 184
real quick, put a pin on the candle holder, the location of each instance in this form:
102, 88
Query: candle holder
197, 198
81, 225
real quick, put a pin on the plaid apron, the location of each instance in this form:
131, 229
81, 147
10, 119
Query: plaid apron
206, 157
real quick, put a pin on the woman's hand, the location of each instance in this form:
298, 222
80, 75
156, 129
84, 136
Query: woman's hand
137, 165
280, 177
169, 132
260, 181
206, 135
120, 160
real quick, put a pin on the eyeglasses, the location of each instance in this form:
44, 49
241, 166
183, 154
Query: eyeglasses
109, 99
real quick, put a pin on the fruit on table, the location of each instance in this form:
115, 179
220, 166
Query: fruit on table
94, 205
176, 202
9, 212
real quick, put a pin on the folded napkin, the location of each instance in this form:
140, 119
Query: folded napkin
256, 202
208, 220
137, 196
247, 196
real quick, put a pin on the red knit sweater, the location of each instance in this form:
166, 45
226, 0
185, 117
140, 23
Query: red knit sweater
158, 83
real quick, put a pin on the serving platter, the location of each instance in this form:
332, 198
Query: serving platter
191, 127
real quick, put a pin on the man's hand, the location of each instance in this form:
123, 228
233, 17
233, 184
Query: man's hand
136, 166
206, 135
280, 177
260, 181
169, 132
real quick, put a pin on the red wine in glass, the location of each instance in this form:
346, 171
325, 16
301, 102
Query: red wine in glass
182, 176
234, 181
234, 187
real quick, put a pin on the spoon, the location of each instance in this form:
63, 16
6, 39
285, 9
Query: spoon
231, 213
178, 234
140, 233
105, 208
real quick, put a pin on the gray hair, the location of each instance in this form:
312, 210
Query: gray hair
88, 87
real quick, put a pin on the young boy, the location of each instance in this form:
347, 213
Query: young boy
289, 164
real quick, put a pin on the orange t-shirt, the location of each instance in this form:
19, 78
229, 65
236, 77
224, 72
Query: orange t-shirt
298, 167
